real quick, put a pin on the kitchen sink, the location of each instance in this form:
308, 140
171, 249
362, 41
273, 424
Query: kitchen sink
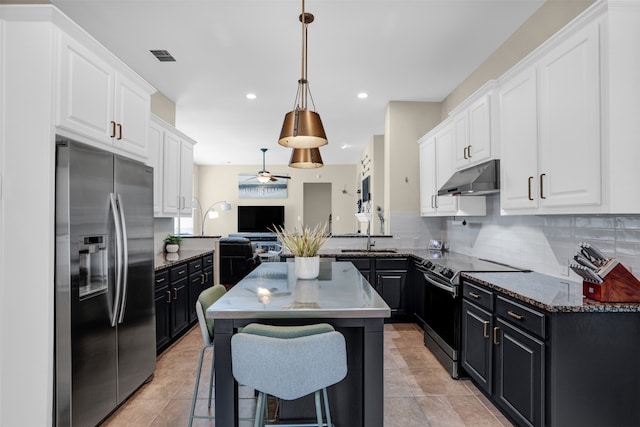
388, 251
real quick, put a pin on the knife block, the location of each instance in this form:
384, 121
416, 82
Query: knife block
619, 284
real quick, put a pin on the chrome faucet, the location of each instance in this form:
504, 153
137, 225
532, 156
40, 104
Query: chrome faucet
369, 244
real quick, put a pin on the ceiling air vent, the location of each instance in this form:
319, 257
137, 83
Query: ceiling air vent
163, 55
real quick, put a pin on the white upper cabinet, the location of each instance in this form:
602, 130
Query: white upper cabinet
550, 129
172, 154
436, 167
569, 122
519, 137
98, 100
474, 123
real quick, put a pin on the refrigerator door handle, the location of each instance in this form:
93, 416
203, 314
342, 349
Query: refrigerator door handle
125, 260
119, 251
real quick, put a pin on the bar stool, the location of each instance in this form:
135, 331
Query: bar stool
205, 300
289, 362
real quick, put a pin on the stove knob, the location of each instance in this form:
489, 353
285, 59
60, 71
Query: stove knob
447, 273
429, 265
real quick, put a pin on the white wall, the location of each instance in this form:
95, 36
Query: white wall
221, 183
26, 277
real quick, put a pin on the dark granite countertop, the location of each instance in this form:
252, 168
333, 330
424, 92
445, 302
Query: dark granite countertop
547, 292
165, 260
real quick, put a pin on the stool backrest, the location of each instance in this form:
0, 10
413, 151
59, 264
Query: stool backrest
289, 368
205, 300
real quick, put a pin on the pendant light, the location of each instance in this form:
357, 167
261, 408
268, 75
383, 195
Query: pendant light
306, 158
302, 128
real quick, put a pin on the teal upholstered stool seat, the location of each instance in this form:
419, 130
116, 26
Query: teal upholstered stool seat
289, 362
205, 299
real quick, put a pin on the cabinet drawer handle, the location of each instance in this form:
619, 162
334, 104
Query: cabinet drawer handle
119, 131
182, 271
529, 184
175, 294
474, 295
469, 151
485, 330
160, 280
542, 175
514, 315
113, 129
168, 297
495, 335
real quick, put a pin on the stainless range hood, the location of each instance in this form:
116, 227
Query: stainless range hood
477, 180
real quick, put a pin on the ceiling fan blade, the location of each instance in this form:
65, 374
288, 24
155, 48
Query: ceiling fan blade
281, 176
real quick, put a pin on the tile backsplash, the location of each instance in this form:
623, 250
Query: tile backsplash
543, 243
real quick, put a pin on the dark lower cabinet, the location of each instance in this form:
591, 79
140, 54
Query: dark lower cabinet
552, 368
504, 360
179, 306
477, 357
163, 309
176, 291
518, 379
388, 276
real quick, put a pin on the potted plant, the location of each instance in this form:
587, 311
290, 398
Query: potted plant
172, 243
304, 245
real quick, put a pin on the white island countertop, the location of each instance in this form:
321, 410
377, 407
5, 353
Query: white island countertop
273, 291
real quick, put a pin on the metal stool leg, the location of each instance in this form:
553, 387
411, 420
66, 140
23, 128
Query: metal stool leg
211, 376
195, 391
326, 407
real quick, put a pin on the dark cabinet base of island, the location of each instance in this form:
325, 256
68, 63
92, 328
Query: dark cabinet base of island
544, 368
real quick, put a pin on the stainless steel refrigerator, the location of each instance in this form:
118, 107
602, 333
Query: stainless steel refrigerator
104, 306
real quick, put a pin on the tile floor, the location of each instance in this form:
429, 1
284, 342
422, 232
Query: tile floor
418, 391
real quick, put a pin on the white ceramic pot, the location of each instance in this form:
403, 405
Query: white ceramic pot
307, 267
171, 248
307, 291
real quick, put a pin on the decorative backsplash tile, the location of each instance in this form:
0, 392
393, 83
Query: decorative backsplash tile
544, 243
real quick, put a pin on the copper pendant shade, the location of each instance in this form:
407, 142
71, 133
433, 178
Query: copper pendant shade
302, 128
305, 158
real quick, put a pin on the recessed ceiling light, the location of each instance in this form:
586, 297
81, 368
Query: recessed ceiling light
363, 95
343, 146
251, 96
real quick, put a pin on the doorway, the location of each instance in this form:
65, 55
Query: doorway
317, 204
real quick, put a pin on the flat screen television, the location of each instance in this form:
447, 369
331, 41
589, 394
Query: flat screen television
259, 219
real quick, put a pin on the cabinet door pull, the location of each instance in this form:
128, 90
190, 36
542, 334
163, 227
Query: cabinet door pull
469, 151
202, 279
168, 297
113, 129
514, 315
464, 153
529, 184
175, 294
119, 131
495, 335
542, 175
485, 330
474, 295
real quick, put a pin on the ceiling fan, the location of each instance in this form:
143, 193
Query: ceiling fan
264, 175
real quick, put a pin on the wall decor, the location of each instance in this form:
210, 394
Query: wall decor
250, 188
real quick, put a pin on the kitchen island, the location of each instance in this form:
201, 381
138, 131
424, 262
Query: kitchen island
339, 296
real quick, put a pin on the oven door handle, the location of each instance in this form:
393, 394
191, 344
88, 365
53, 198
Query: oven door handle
451, 289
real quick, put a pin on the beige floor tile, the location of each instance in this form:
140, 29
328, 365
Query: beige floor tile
456, 411
433, 381
403, 412
395, 384
136, 413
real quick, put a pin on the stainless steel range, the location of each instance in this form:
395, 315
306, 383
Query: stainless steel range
443, 302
